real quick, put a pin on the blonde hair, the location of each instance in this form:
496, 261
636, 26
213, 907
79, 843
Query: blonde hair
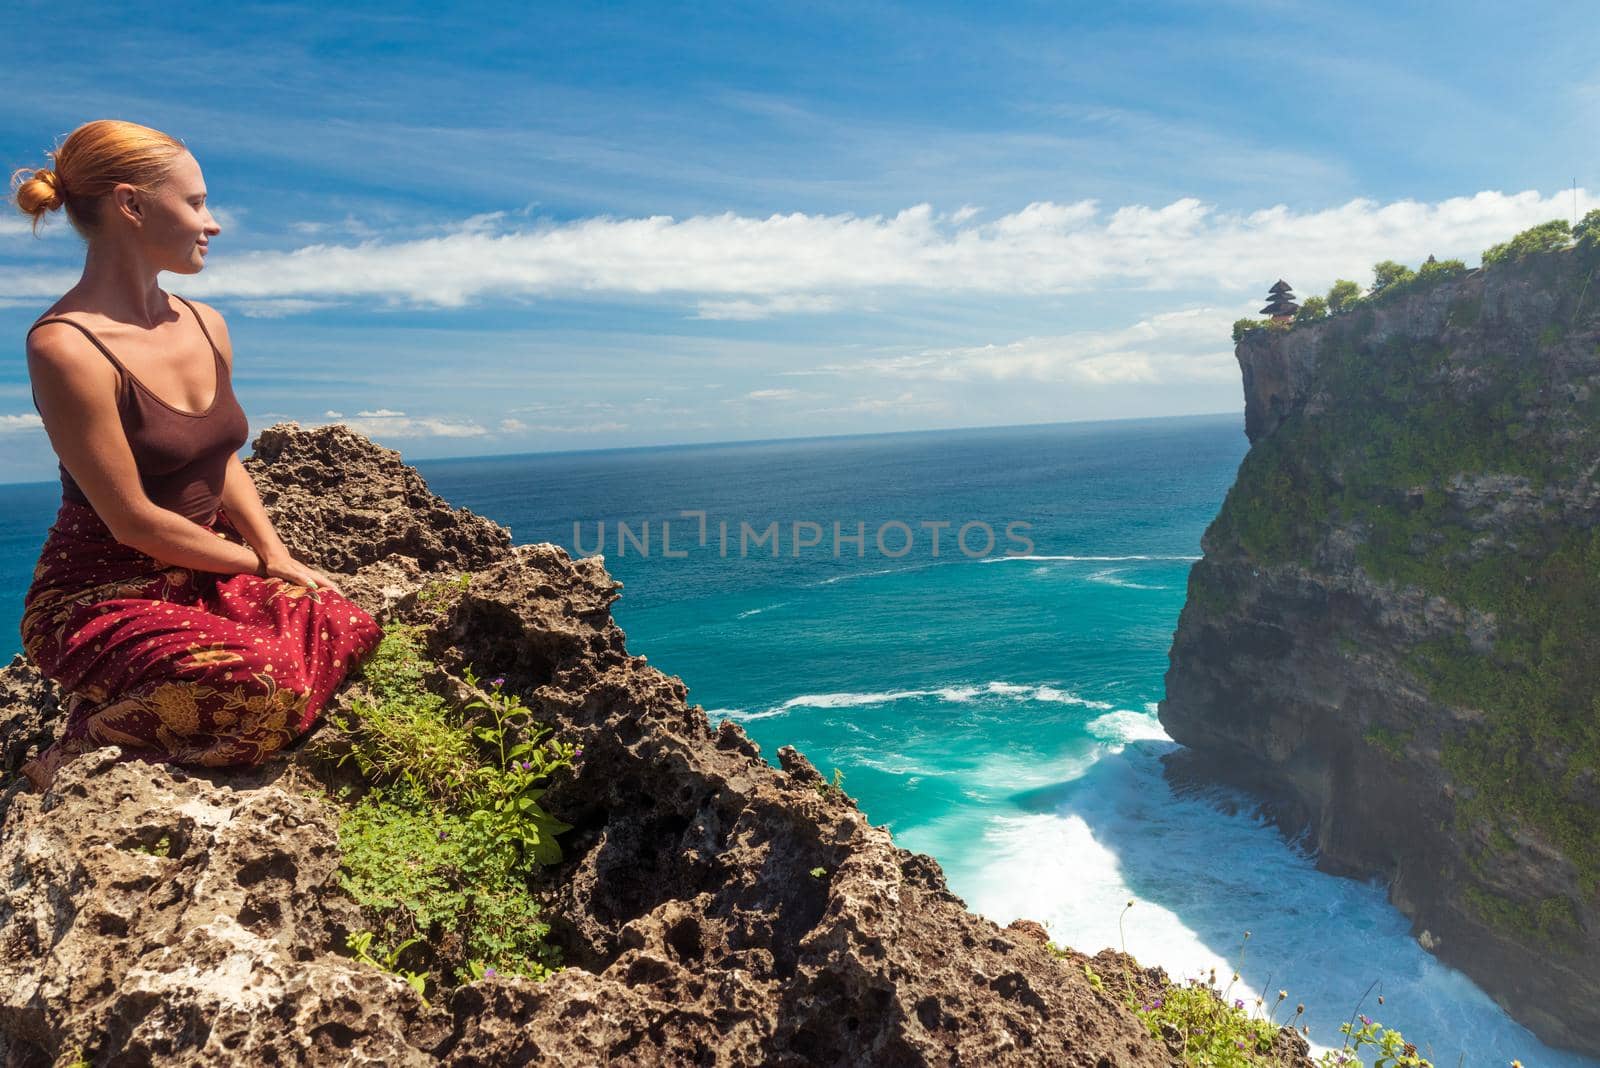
93, 160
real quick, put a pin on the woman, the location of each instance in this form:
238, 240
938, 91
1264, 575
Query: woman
163, 603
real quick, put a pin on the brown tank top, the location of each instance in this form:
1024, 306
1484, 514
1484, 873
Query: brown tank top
182, 456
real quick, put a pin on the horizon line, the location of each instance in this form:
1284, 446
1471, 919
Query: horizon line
743, 441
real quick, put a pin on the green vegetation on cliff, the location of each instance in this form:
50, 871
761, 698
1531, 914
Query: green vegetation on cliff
1444, 463
1390, 279
443, 847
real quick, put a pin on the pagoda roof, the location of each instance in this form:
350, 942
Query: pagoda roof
1280, 307
1280, 287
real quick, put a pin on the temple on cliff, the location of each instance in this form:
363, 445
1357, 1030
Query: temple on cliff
1280, 303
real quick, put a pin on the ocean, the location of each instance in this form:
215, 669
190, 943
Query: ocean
990, 695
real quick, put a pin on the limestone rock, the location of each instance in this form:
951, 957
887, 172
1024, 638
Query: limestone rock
155, 914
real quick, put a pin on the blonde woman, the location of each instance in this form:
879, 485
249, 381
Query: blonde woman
163, 602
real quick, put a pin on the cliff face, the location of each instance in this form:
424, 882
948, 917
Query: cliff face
690, 909
1393, 635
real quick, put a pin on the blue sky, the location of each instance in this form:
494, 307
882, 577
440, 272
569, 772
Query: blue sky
468, 231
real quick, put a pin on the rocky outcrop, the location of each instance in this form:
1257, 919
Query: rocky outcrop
156, 914
1392, 634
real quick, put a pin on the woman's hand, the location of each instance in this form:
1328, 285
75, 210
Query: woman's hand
292, 570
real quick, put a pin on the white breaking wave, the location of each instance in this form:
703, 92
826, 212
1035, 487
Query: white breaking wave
1066, 697
758, 611
1125, 726
1201, 877
1108, 577
952, 694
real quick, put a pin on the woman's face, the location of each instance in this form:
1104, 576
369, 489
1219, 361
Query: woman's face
177, 224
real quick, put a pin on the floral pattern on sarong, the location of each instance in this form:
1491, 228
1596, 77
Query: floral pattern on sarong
191, 667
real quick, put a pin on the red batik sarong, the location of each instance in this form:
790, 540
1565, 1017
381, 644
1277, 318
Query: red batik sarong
181, 666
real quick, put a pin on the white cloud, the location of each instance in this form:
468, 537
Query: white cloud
763, 309
15, 224
905, 402
384, 423
730, 266
331, 414
1175, 346
772, 394
10, 424
280, 307
577, 428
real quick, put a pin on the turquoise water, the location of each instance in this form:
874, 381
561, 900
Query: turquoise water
995, 711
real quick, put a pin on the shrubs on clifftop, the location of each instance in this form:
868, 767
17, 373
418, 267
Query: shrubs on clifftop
1343, 296
1390, 279
1546, 237
1313, 309
1549, 236
442, 850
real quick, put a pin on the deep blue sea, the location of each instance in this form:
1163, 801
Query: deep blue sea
992, 703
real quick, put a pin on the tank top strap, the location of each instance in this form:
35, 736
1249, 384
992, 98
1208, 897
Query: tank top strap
88, 333
202, 322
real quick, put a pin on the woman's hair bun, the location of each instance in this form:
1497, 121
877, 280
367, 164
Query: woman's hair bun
37, 191
53, 180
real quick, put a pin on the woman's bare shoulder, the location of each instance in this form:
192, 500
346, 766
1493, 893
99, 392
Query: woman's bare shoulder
61, 353
216, 326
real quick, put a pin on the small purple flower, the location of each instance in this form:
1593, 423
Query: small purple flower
527, 765
1365, 1021
488, 972
578, 751
1238, 1003
443, 836
1236, 1042
500, 681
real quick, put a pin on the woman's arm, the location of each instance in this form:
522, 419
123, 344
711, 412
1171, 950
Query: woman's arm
243, 504
240, 499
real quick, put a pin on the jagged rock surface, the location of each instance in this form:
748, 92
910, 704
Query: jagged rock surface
155, 914
1300, 674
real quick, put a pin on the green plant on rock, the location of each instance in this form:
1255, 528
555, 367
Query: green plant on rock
1313, 309
1387, 274
1210, 1029
1344, 295
441, 588
513, 831
1391, 742
360, 945
1546, 237
445, 842
1587, 231
1241, 327
1438, 270
828, 789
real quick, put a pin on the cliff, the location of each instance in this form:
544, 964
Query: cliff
709, 907
1393, 635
